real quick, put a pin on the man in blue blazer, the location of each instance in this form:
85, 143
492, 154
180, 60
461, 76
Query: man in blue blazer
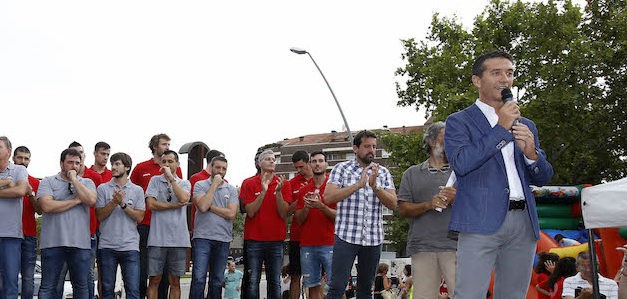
496, 156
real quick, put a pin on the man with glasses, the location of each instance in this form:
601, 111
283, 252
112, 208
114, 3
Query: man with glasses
65, 200
421, 192
167, 197
580, 285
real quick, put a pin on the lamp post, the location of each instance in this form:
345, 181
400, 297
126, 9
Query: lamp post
302, 51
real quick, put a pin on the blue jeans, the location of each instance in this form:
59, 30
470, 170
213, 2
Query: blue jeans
314, 259
344, 254
92, 274
10, 266
270, 253
108, 261
211, 254
29, 256
52, 260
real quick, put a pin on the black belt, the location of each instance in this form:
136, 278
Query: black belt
517, 204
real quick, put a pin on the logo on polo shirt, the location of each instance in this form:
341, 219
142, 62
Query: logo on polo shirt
146, 174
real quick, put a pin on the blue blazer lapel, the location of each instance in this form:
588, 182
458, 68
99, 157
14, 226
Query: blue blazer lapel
481, 122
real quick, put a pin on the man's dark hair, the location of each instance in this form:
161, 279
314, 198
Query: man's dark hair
477, 66
300, 156
124, 158
171, 152
212, 154
431, 134
361, 135
101, 145
69, 152
74, 144
319, 153
219, 158
154, 141
21, 149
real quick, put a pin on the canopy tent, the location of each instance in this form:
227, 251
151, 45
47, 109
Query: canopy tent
605, 205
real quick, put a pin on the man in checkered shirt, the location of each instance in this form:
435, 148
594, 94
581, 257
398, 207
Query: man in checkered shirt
359, 187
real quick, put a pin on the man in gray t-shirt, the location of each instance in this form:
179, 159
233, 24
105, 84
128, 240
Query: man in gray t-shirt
65, 238
119, 207
216, 204
167, 197
420, 194
13, 187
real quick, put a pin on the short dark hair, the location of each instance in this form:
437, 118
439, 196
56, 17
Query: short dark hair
21, 149
74, 144
213, 153
319, 153
408, 269
218, 158
171, 152
101, 145
477, 66
154, 141
6, 141
300, 156
124, 158
69, 152
361, 135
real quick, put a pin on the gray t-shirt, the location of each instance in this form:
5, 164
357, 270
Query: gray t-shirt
119, 230
168, 228
427, 232
209, 225
69, 228
11, 208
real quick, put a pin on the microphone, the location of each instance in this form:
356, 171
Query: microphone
506, 95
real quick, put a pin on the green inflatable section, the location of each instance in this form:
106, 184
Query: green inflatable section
554, 210
558, 223
623, 232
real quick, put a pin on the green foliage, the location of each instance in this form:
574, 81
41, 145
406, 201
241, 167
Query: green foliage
238, 225
571, 75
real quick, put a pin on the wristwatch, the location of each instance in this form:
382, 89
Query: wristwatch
124, 206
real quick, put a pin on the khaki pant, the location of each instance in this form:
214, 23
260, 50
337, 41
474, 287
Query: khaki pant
427, 269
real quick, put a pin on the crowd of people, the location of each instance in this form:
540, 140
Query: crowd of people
469, 206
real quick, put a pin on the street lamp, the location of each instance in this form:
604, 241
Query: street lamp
302, 51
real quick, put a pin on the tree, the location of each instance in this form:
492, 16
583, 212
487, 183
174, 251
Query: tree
571, 72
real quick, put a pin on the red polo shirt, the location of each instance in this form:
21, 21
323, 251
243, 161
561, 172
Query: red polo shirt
141, 176
97, 179
197, 177
318, 229
105, 176
296, 183
29, 225
266, 225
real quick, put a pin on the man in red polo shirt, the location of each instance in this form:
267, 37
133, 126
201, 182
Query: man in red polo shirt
266, 198
300, 160
141, 175
317, 220
21, 156
102, 150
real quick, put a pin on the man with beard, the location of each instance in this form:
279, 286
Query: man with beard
167, 196
432, 251
65, 238
141, 175
359, 187
317, 220
266, 198
119, 207
13, 187
216, 206
21, 156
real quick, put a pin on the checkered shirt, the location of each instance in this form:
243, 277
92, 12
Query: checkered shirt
359, 220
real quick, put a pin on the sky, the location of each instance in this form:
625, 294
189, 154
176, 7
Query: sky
219, 72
